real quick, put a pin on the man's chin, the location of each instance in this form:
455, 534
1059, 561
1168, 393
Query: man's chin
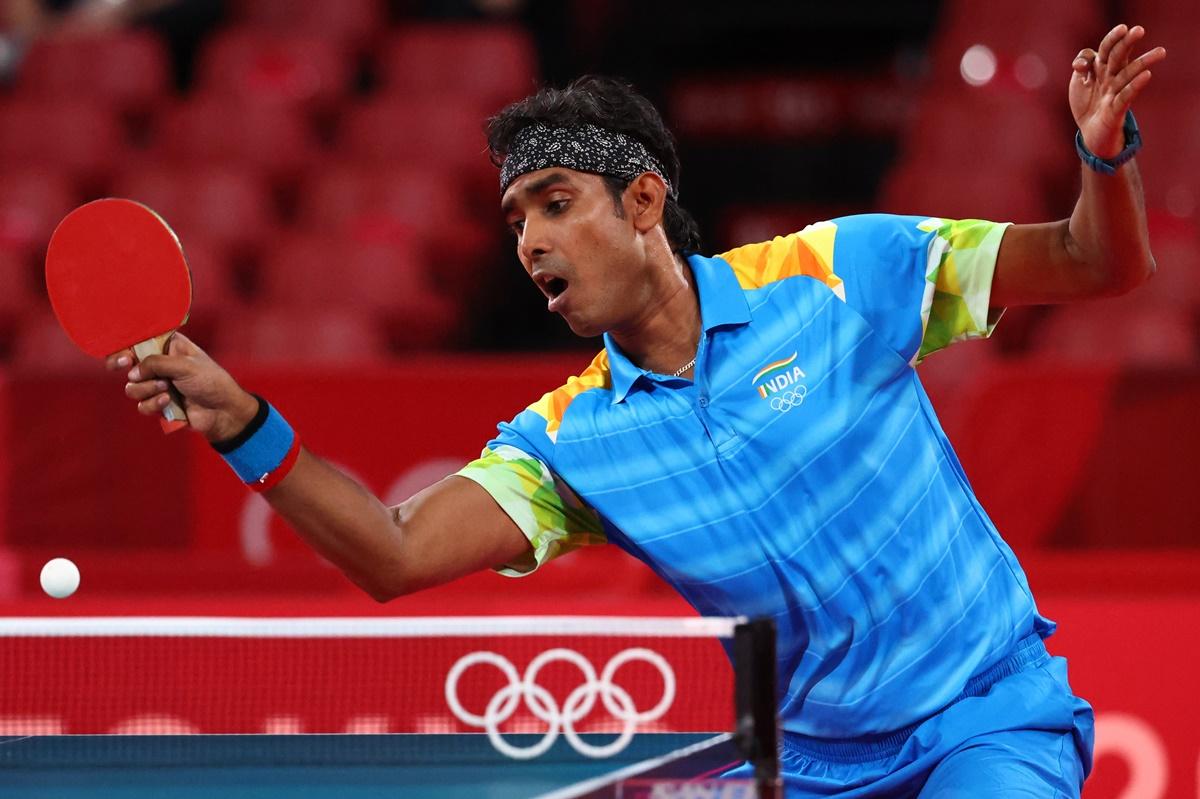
584, 328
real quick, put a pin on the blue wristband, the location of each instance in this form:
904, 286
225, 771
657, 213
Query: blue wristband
1108, 166
261, 448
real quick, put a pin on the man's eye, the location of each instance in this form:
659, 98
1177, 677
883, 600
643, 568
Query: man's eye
516, 227
556, 206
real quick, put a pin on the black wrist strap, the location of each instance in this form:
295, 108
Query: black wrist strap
260, 417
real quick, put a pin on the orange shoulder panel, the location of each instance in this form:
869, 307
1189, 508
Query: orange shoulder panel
553, 405
808, 252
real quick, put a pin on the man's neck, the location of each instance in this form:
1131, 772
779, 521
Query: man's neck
666, 336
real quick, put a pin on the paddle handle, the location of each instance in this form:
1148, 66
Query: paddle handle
174, 417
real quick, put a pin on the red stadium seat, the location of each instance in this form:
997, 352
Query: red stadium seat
968, 192
407, 202
84, 140
308, 271
343, 196
1032, 42
127, 69
327, 336
214, 282
19, 294
1159, 14
438, 133
304, 70
311, 270
758, 106
1170, 160
1171, 183
965, 127
949, 374
32, 202
210, 129
1176, 246
1139, 487
492, 64
41, 345
1175, 26
790, 107
1120, 332
221, 205
348, 23
1027, 456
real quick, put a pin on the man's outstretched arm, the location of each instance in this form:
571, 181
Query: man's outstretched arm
448, 530
1104, 248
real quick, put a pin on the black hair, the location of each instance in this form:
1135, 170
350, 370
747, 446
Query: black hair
614, 105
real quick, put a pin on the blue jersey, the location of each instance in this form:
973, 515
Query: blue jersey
802, 474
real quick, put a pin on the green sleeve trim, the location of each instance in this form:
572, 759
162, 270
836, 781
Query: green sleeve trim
549, 513
961, 264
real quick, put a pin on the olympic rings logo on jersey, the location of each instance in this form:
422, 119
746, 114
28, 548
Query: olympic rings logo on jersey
579, 703
789, 399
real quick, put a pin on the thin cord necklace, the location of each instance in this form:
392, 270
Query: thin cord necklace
684, 368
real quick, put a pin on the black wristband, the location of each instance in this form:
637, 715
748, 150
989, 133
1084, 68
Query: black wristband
260, 417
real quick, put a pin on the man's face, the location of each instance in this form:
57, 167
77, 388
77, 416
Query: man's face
583, 254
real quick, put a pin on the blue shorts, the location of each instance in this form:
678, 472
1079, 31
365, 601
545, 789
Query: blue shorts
1016, 731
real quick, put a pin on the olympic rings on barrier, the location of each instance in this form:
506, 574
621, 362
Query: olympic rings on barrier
579, 703
789, 399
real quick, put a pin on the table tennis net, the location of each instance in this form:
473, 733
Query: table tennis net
607, 678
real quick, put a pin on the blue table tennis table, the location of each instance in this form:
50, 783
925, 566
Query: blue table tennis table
397, 766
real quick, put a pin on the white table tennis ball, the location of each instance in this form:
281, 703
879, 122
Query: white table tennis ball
60, 578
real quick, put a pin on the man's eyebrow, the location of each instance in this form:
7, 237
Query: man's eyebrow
538, 186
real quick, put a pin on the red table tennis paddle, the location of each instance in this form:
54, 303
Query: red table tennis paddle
118, 280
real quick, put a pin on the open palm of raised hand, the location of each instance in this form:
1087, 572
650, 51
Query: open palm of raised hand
1105, 83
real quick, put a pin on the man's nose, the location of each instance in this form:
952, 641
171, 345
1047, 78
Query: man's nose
534, 242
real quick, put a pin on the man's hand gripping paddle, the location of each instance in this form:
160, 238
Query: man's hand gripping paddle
118, 280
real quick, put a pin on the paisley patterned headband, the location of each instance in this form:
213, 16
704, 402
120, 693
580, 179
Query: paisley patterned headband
585, 148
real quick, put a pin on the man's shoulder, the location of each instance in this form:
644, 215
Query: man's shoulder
548, 411
825, 250
805, 253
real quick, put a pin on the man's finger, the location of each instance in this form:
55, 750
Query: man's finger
171, 367
154, 405
180, 344
1140, 65
119, 360
1126, 96
1110, 39
145, 389
1083, 61
1119, 57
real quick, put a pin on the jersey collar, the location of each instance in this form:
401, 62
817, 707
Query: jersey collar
722, 304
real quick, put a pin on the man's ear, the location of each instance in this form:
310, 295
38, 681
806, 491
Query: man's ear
645, 198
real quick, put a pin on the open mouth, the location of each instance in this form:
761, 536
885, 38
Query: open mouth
556, 286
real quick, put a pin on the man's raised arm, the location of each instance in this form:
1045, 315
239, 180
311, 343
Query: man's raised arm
1104, 248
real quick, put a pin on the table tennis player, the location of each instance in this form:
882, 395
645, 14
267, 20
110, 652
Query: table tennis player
755, 430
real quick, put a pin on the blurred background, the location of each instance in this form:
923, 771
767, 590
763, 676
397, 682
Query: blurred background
324, 166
